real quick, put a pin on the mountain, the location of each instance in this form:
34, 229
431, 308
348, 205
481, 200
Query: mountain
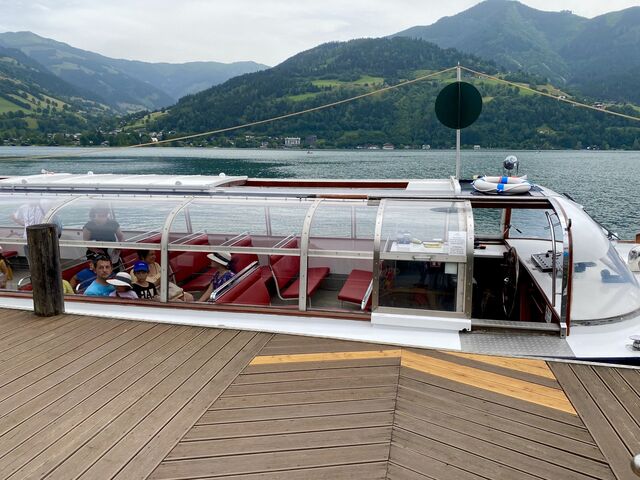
403, 116
125, 85
33, 99
590, 54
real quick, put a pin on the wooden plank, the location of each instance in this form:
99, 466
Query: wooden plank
70, 407
493, 452
70, 448
492, 382
312, 366
42, 336
258, 378
288, 426
305, 397
28, 331
498, 369
326, 346
398, 472
448, 403
137, 406
216, 417
495, 438
632, 377
462, 459
16, 379
526, 365
17, 393
291, 442
223, 371
494, 398
324, 357
49, 350
623, 423
628, 398
313, 385
271, 462
362, 471
605, 436
423, 466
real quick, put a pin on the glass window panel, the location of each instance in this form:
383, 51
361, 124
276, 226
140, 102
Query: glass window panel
16, 210
424, 227
418, 285
335, 226
533, 223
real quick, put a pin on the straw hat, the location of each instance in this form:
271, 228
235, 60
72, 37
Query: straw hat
220, 257
122, 279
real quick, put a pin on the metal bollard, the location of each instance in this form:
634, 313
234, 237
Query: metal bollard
635, 464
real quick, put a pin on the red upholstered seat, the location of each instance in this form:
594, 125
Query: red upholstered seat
201, 282
186, 264
286, 271
240, 261
251, 290
10, 253
355, 288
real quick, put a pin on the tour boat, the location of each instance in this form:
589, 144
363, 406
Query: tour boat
422, 263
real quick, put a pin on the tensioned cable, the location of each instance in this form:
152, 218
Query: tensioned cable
250, 124
555, 97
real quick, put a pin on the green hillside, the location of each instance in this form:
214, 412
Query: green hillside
512, 117
599, 56
126, 86
34, 103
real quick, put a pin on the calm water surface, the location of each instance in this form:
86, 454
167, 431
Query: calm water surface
604, 182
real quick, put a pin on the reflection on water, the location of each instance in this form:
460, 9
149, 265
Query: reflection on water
604, 182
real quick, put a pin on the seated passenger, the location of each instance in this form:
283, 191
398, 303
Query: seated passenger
143, 288
222, 263
155, 276
122, 282
99, 287
67, 289
6, 273
83, 278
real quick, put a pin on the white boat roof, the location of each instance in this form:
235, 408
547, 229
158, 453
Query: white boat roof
69, 181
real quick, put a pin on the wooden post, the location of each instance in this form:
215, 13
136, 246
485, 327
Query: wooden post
46, 274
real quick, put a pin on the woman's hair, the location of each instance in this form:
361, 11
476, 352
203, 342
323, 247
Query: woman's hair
98, 209
142, 254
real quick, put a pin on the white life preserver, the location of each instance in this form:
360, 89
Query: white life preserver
502, 185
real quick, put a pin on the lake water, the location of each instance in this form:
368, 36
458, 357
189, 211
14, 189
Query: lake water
604, 182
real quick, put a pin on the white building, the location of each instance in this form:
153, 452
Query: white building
292, 141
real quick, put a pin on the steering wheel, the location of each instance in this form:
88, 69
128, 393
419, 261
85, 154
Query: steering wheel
510, 283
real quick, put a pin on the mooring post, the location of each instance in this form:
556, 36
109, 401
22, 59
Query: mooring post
635, 464
46, 274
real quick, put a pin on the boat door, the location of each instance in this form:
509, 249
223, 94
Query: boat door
423, 264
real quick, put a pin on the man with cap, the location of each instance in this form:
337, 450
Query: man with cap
143, 288
222, 263
122, 283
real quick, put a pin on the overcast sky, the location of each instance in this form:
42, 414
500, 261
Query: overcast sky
266, 31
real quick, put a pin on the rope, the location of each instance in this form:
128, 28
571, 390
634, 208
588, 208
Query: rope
251, 124
559, 98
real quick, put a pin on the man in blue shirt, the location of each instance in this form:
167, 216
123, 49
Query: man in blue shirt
100, 287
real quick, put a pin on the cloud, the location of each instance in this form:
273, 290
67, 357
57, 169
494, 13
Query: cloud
227, 31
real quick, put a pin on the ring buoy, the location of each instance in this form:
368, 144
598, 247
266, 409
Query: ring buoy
502, 185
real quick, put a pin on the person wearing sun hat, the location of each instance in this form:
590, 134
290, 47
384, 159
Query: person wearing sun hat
122, 283
222, 263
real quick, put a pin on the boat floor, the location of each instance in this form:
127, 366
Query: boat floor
84, 397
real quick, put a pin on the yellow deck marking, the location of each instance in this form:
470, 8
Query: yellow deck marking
526, 365
327, 356
493, 382
512, 387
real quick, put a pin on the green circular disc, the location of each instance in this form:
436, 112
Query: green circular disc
458, 105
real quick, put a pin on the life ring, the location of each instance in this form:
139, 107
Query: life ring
510, 185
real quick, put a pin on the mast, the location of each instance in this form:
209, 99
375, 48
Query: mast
459, 78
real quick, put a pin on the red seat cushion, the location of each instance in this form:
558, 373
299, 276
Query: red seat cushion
315, 275
201, 282
251, 290
240, 261
68, 273
355, 288
10, 253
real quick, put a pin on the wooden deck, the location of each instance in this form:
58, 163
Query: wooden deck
94, 398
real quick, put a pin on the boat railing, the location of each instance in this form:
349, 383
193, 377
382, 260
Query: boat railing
232, 281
